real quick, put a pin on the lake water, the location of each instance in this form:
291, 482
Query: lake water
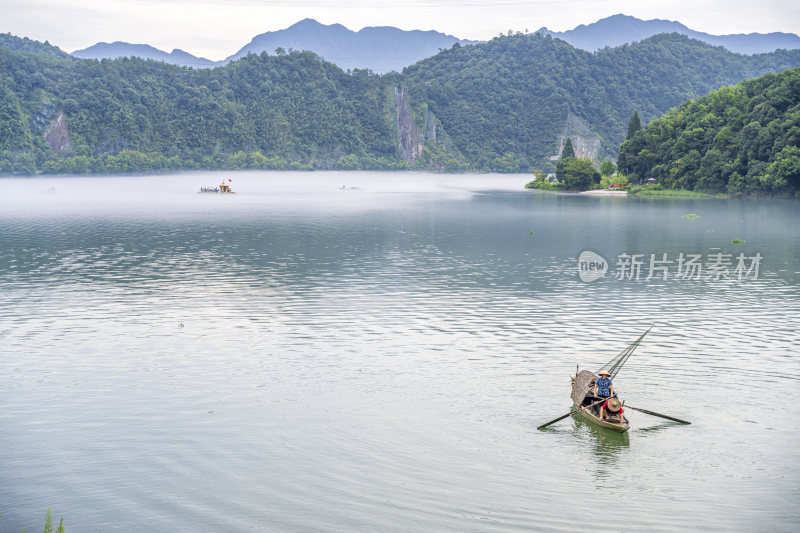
303, 358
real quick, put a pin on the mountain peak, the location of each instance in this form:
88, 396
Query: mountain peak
119, 49
306, 23
313, 24
380, 48
620, 29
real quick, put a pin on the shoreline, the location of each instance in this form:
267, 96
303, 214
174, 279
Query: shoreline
604, 192
679, 193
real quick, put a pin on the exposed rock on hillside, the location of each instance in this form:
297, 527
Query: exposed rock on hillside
422, 139
585, 142
57, 135
412, 137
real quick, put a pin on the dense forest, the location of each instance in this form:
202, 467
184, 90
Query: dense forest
285, 111
500, 106
740, 139
514, 93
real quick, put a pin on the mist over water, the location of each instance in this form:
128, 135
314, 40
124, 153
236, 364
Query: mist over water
298, 357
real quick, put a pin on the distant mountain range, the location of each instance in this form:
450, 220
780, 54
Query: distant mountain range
380, 49
145, 51
384, 48
621, 29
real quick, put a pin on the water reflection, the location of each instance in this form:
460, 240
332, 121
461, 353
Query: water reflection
605, 444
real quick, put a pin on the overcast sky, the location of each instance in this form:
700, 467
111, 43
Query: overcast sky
216, 29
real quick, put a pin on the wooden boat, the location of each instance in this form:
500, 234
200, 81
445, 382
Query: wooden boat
222, 188
587, 406
582, 385
582, 391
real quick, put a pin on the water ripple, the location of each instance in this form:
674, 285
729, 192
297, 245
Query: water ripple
299, 358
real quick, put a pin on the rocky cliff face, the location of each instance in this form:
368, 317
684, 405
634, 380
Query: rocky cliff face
56, 133
51, 124
409, 134
587, 145
421, 137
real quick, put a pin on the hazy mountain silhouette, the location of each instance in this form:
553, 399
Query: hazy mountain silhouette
144, 51
385, 48
381, 49
620, 29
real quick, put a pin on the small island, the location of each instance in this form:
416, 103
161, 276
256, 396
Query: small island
575, 174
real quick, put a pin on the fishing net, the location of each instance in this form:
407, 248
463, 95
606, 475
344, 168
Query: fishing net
614, 366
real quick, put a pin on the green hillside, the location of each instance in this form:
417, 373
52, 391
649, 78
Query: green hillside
514, 93
23, 44
504, 105
740, 139
131, 114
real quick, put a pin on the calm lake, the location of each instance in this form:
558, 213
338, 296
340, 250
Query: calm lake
298, 357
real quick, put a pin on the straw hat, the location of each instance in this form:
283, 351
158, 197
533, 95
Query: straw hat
614, 405
604, 373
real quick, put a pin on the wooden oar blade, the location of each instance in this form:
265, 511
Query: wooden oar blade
555, 420
645, 411
570, 413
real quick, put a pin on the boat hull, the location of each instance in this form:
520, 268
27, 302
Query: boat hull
613, 426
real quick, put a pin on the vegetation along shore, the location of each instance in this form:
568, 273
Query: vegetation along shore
507, 105
741, 140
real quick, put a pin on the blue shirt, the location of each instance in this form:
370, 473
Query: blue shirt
603, 387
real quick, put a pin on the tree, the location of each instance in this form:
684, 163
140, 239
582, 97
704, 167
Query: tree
784, 172
607, 167
619, 179
508, 163
348, 162
718, 142
577, 174
634, 125
568, 150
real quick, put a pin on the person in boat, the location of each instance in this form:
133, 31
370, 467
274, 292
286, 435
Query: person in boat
614, 409
603, 388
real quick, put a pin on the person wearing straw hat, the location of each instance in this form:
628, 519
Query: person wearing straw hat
603, 388
614, 411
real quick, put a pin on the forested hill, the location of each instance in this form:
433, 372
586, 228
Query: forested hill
23, 44
739, 139
515, 94
505, 105
287, 111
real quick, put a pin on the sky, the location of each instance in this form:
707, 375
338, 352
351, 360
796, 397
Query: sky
216, 29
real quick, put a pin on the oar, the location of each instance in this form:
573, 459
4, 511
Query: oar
570, 413
645, 411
